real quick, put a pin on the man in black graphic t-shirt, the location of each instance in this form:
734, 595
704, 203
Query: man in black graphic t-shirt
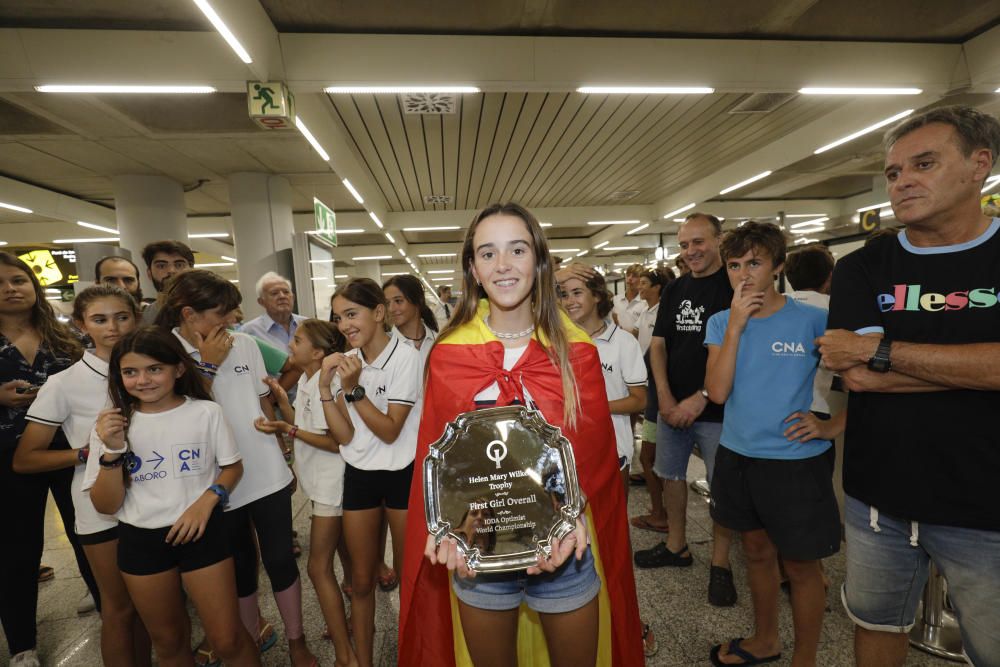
915, 332
677, 357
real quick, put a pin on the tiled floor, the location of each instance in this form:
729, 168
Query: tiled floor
673, 601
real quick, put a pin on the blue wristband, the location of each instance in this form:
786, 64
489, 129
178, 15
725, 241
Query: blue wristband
223, 494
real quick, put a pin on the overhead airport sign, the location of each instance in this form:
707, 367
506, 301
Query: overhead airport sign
326, 221
271, 105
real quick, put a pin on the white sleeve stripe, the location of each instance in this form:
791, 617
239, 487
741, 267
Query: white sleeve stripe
42, 420
401, 400
636, 383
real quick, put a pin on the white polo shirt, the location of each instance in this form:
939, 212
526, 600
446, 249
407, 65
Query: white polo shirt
394, 377
320, 473
628, 311
238, 388
178, 454
621, 362
71, 399
426, 343
645, 326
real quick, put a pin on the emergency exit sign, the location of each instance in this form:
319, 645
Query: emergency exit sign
326, 221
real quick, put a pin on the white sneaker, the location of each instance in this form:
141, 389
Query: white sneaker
26, 659
86, 604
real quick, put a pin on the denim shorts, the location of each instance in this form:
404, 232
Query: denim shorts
674, 447
887, 565
569, 588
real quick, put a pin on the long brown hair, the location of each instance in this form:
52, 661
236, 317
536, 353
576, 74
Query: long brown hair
323, 335
544, 299
201, 290
54, 334
413, 292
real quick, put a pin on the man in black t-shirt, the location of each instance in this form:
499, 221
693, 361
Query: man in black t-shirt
915, 333
677, 357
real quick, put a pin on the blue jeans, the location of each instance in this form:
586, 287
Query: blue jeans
887, 565
674, 447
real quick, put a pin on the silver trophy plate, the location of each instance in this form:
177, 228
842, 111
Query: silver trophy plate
502, 482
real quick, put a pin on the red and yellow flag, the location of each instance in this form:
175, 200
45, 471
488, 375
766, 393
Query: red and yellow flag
460, 366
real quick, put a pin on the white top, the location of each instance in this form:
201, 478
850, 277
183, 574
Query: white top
427, 342
71, 399
628, 311
621, 362
178, 453
238, 388
823, 383
394, 377
320, 473
645, 326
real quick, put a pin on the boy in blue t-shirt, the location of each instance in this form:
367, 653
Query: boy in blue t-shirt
774, 467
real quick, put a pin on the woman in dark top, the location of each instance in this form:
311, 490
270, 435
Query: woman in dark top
33, 345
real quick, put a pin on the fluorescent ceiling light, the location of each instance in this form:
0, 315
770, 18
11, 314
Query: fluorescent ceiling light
599, 223
803, 215
861, 133
319, 278
12, 207
340, 275
621, 247
228, 259
564, 250
370, 257
680, 210
375, 90
741, 184
990, 183
211, 264
447, 228
354, 193
100, 88
209, 235
441, 280
234, 280
544, 224
311, 139
398, 273
884, 204
321, 261
582, 253
337, 231
401, 252
391, 240
224, 30
809, 230
113, 239
601, 244
378, 223
440, 254
442, 271
804, 241
860, 91
806, 223
3, 243
645, 90
99, 228
637, 229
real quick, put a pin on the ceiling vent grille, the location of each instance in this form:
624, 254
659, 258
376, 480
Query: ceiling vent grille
433, 104
623, 195
761, 103
443, 200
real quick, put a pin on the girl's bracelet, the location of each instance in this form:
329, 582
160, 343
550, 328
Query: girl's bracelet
111, 465
292, 431
207, 365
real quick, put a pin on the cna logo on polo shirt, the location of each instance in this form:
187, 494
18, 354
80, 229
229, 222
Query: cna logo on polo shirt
241, 369
780, 348
912, 298
608, 368
689, 317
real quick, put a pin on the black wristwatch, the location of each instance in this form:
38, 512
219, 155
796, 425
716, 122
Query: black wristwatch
354, 395
880, 361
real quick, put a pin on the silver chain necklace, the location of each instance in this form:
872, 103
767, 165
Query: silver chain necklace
507, 336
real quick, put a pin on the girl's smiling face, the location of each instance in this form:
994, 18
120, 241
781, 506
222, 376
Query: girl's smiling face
577, 299
504, 260
149, 380
401, 310
356, 322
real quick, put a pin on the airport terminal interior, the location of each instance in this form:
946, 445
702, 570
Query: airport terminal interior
327, 140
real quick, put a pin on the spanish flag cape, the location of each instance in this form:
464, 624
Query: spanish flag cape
468, 361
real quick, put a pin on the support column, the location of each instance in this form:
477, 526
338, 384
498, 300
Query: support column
263, 228
367, 269
148, 208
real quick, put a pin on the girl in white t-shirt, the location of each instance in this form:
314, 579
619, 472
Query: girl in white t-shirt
409, 313
164, 462
588, 304
71, 400
197, 308
318, 425
380, 381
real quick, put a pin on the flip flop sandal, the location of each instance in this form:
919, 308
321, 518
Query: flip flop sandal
649, 643
643, 523
747, 657
206, 658
46, 573
268, 642
636, 480
389, 583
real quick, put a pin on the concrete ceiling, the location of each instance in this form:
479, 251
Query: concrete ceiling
529, 136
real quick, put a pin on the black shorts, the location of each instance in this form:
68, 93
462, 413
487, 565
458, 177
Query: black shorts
367, 489
144, 551
99, 538
792, 500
